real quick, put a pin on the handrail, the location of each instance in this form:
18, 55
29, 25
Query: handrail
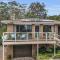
28, 36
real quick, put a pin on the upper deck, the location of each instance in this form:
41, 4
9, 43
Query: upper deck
12, 38
30, 31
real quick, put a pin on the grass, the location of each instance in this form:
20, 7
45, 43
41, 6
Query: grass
45, 56
48, 56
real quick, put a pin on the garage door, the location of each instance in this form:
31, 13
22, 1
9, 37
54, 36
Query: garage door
22, 51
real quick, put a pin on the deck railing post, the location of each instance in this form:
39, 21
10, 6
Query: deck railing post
37, 36
3, 37
54, 36
27, 35
15, 36
46, 36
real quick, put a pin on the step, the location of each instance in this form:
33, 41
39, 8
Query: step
24, 58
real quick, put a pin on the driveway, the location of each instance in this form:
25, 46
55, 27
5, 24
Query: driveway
1, 53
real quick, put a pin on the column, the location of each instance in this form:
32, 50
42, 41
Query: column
52, 28
37, 52
54, 49
56, 29
8, 52
34, 50
41, 31
10, 28
33, 31
41, 28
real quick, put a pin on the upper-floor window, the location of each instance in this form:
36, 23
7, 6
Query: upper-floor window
36, 28
24, 28
47, 28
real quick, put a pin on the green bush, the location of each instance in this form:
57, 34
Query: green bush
0, 40
56, 57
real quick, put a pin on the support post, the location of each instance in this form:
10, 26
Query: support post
46, 36
3, 46
3, 51
54, 49
37, 50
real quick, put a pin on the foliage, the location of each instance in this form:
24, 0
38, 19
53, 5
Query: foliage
55, 17
2, 29
36, 10
7, 10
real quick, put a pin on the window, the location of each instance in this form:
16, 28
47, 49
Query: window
17, 28
47, 28
24, 28
36, 28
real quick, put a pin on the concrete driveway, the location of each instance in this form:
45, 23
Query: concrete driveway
1, 53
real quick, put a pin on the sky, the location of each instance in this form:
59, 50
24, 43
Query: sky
52, 6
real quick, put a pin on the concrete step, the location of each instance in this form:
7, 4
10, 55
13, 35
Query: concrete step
24, 58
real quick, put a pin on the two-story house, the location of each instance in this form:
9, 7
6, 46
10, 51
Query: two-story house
25, 35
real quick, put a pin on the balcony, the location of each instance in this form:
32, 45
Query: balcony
28, 37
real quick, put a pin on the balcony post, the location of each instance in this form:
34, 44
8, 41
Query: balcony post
56, 29
10, 28
41, 31
52, 28
3, 37
15, 36
37, 51
3, 46
46, 36
41, 28
54, 49
33, 31
27, 35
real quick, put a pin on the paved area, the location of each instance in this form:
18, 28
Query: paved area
1, 53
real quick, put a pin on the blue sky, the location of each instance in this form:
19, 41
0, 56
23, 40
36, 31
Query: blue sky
53, 6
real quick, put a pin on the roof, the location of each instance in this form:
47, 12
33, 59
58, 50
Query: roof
31, 21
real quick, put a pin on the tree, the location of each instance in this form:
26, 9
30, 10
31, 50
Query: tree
36, 10
9, 9
3, 11
54, 17
16, 8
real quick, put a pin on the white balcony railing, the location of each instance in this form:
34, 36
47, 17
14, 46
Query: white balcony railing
24, 36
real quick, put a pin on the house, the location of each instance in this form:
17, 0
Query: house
24, 36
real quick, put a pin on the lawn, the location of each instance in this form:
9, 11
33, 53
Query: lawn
49, 55
46, 56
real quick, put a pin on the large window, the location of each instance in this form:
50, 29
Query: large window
37, 28
47, 28
24, 28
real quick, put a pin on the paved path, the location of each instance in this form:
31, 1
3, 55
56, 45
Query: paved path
1, 53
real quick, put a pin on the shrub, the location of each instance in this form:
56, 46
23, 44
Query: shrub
0, 40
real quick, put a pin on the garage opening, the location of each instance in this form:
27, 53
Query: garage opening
22, 51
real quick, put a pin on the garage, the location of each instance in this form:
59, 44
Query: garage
22, 51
